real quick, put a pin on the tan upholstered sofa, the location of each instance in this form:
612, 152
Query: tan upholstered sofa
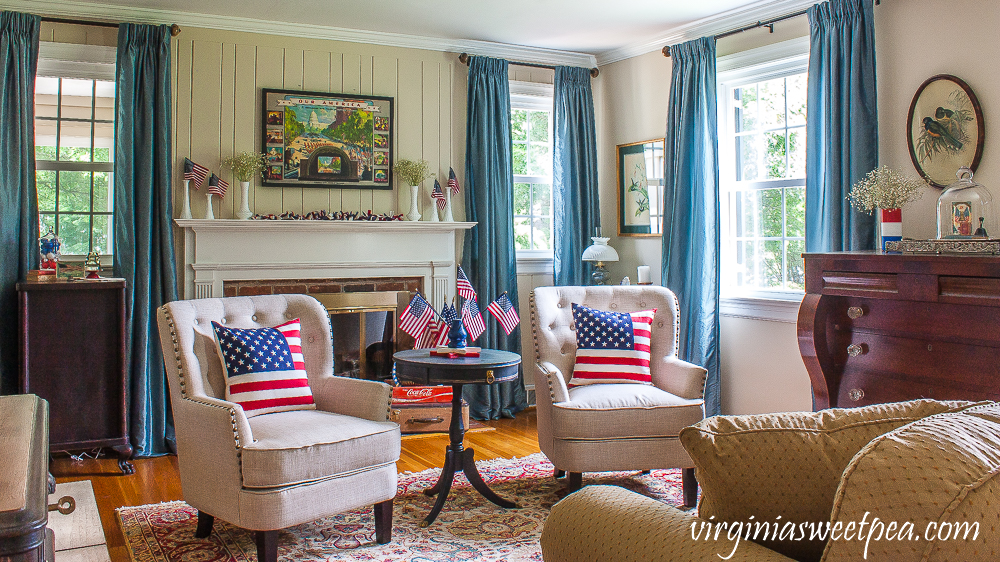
604, 427
923, 477
276, 470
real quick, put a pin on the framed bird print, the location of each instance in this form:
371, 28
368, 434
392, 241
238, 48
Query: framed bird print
640, 188
945, 129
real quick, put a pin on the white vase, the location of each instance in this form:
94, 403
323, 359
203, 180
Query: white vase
433, 217
244, 212
186, 209
414, 214
209, 213
448, 216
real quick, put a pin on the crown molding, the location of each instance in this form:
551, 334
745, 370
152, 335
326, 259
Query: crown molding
712, 25
128, 14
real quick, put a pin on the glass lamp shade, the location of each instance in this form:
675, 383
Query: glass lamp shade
600, 252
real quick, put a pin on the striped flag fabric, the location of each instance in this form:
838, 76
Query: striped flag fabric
195, 172
264, 368
217, 186
473, 319
430, 335
438, 194
416, 316
611, 347
503, 310
464, 287
452, 181
448, 315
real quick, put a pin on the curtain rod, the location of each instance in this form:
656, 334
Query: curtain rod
464, 59
175, 29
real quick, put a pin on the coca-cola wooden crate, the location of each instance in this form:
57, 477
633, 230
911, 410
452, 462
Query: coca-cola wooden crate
425, 418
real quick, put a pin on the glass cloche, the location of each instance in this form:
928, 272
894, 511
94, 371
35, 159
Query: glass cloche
965, 209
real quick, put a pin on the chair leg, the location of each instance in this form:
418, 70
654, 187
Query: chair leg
267, 546
689, 485
383, 521
644, 472
557, 474
575, 482
205, 522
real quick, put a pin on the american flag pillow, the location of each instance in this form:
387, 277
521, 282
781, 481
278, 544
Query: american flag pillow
264, 369
611, 347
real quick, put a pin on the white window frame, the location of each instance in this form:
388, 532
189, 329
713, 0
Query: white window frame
533, 96
87, 62
764, 63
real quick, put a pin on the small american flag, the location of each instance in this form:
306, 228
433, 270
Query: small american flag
264, 368
217, 186
195, 172
452, 181
438, 194
503, 310
416, 316
448, 315
430, 335
473, 319
612, 346
464, 287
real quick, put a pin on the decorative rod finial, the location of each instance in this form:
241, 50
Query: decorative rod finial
464, 58
175, 30
666, 51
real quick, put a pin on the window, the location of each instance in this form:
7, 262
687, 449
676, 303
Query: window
531, 136
74, 155
762, 138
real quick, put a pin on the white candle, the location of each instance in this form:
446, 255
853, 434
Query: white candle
643, 277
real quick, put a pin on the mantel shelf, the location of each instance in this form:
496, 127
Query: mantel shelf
236, 225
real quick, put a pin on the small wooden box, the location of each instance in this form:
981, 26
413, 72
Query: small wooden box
425, 418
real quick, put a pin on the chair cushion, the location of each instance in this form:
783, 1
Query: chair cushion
307, 445
623, 411
943, 469
788, 464
264, 368
611, 347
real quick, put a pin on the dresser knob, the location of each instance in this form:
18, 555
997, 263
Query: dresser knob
856, 394
855, 312
856, 349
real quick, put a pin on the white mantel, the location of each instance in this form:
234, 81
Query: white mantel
228, 249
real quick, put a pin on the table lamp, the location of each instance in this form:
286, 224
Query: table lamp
600, 252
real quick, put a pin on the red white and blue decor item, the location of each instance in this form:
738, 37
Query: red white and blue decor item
503, 310
450, 192
217, 185
473, 319
890, 226
438, 195
195, 172
48, 251
264, 368
611, 347
463, 286
453, 181
416, 317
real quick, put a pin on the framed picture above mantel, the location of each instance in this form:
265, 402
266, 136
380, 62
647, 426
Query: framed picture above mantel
316, 139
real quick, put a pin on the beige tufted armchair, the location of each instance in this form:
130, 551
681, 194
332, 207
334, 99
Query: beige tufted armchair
606, 427
273, 471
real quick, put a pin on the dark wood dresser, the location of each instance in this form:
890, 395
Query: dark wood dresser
73, 356
877, 328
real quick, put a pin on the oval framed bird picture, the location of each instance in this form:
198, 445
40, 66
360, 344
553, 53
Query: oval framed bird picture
945, 129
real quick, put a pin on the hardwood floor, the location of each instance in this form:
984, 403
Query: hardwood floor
157, 480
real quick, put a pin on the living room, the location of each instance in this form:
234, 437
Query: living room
223, 57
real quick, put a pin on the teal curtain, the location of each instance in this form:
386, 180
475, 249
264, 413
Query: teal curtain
576, 210
18, 199
842, 130
691, 207
488, 257
144, 243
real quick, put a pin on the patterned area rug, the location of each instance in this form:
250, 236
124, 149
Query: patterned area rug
469, 528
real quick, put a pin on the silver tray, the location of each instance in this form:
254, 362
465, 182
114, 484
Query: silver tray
946, 246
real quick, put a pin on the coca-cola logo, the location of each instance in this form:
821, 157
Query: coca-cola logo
419, 392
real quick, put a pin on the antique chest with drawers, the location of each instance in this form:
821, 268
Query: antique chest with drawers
876, 328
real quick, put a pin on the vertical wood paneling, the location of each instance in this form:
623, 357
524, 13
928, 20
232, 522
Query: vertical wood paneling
316, 78
182, 118
409, 124
270, 74
206, 102
431, 140
245, 114
227, 130
384, 84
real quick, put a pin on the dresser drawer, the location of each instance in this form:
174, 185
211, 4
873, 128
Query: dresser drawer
936, 321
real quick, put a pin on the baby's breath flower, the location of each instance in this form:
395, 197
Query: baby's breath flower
885, 188
245, 165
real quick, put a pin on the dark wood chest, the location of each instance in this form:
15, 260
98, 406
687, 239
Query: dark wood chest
877, 328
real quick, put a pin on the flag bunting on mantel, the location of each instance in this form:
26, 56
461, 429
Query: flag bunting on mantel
453, 181
416, 317
217, 186
438, 194
503, 310
464, 287
195, 172
473, 319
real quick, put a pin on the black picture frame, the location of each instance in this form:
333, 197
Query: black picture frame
319, 139
944, 129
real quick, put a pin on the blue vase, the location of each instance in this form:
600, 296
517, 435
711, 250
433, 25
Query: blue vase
457, 335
